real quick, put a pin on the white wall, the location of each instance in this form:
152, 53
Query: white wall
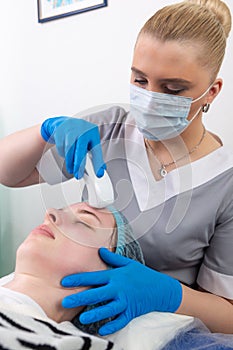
65, 66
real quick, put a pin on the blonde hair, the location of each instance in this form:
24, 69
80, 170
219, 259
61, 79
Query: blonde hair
206, 23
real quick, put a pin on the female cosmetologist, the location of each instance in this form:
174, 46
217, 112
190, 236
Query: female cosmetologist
173, 178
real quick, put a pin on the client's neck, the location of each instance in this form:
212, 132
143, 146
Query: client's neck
48, 295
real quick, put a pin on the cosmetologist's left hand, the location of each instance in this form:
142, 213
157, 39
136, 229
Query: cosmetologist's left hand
131, 288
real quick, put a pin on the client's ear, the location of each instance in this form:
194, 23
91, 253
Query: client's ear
113, 241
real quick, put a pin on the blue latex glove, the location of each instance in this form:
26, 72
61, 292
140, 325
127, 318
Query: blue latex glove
73, 139
131, 288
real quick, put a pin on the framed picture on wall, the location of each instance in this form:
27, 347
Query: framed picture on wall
53, 9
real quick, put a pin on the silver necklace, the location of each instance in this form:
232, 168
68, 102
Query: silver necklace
162, 170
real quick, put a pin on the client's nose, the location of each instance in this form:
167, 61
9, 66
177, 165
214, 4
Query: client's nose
53, 215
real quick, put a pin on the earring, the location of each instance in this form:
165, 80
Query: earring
206, 107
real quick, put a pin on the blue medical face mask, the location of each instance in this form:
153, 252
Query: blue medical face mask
160, 116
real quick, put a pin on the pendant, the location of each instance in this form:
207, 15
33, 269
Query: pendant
163, 171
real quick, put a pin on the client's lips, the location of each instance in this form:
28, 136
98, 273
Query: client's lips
44, 229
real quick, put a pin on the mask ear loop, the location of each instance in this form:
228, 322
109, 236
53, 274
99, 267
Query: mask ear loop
204, 93
198, 111
204, 108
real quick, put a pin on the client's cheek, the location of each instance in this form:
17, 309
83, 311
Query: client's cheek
94, 262
101, 266
106, 238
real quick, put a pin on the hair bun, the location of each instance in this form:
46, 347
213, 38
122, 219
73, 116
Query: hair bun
220, 10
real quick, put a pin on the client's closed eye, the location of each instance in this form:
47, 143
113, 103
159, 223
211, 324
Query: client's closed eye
83, 223
90, 216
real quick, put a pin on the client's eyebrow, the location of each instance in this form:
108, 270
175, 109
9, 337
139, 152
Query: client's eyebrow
88, 212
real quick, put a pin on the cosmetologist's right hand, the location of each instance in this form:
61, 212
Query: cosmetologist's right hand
73, 139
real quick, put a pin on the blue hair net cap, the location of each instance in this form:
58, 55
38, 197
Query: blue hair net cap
126, 246
126, 243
